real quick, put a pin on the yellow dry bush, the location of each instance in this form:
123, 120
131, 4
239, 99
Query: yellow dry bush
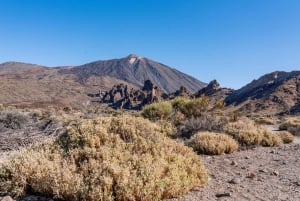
270, 139
115, 158
286, 137
246, 132
212, 143
291, 122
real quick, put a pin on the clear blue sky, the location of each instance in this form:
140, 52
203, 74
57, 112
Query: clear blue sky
233, 41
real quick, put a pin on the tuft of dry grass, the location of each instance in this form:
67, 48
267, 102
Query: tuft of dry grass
247, 133
286, 137
113, 158
270, 139
213, 143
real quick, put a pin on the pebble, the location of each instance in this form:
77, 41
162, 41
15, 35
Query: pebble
247, 157
251, 175
225, 194
235, 181
233, 163
264, 171
297, 183
275, 173
273, 151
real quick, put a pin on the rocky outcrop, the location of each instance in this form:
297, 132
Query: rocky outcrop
214, 91
271, 94
120, 97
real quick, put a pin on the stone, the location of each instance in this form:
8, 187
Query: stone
234, 163
225, 194
235, 181
263, 170
247, 157
275, 173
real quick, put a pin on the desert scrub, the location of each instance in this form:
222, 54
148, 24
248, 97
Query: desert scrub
295, 130
205, 122
270, 139
286, 137
213, 143
247, 133
113, 158
191, 107
13, 119
291, 122
156, 111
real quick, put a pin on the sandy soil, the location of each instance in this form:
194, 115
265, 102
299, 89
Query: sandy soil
257, 174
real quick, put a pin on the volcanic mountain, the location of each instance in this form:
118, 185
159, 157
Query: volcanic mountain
22, 83
274, 93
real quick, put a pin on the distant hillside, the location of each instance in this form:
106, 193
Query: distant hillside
136, 70
274, 93
23, 84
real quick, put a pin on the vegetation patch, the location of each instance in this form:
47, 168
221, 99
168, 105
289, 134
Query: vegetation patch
115, 158
156, 111
286, 137
213, 143
247, 133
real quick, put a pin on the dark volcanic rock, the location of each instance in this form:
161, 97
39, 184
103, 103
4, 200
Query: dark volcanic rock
120, 97
214, 91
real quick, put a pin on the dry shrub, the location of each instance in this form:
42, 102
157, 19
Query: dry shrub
294, 130
13, 119
106, 159
286, 137
167, 128
289, 123
247, 133
205, 122
155, 111
265, 121
270, 139
212, 143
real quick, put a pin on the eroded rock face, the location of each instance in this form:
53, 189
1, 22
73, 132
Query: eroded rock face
210, 89
120, 97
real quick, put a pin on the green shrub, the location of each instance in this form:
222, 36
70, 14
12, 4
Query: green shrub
213, 143
117, 158
191, 107
156, 111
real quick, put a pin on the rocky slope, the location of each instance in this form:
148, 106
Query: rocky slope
274, 93
34, 85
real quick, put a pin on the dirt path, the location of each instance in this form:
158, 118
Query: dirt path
257, 174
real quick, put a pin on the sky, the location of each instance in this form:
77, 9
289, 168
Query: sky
232, 41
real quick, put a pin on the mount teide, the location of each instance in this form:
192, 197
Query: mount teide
22, 83
136, 70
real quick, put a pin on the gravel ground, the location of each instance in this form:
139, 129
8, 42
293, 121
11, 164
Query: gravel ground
257, 174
